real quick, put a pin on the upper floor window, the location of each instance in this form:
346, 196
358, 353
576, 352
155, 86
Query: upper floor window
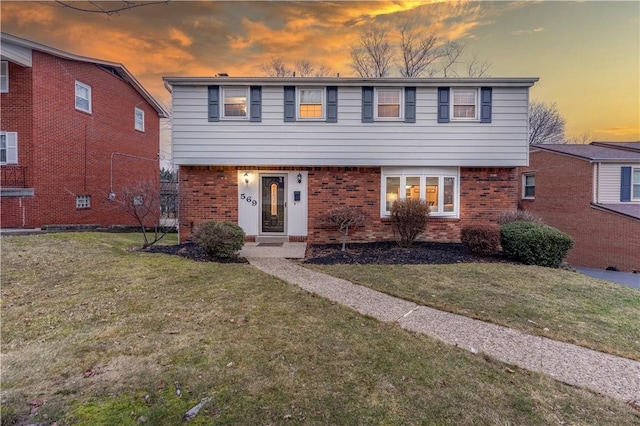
464, 105
4, 77
438, 187
635, 185
529, 186
388, 104
311, 103
8, 148
139, 119
235, 102
83, 97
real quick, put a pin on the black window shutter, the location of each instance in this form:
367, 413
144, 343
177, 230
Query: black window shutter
443, 104
255, 109
485, 105
332, 104
289, 103
214, 103
367, 104
625, 183
409, 104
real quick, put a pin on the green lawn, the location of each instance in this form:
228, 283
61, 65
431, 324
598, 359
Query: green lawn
559, 304
95, 334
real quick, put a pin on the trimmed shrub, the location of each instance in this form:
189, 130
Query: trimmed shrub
518, 216
482, 240
344, 218
535, 244
410, 217
219, 239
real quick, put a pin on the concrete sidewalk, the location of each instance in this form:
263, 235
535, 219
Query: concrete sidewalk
610, 375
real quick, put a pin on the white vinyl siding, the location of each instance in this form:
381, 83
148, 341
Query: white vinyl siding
138, 116
8, 148
83, 97
350, 142
610, 175
4, 77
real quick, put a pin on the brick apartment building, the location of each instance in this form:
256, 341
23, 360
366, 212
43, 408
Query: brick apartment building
275, 154
591, 192
73, 130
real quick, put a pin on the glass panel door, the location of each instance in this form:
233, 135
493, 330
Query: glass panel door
273, 204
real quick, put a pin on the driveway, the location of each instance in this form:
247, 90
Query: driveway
625, 278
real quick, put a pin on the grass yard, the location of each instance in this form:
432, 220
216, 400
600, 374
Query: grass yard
94, 334
558, 304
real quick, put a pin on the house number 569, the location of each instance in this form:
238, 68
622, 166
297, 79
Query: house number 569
249, 199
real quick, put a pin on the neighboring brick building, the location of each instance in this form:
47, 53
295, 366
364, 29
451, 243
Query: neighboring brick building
591, 192
73, 131
275, 154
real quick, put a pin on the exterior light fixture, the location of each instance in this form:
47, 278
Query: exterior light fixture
246, 178
299, 177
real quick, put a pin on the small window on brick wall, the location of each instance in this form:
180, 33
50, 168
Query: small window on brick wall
529, 186
83, 201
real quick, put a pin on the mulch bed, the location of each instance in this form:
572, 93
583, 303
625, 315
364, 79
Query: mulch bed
381, 253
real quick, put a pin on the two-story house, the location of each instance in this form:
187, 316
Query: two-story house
591, 192
275, 154
73, 132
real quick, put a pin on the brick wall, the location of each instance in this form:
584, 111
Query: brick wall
210, 193
69, 152
564, 192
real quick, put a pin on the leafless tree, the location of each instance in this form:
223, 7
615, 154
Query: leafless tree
583, 138
107, 8
451, 53
475, 68
546, 125
276, 67
344, 218
141, 200
304, 68
371, 56
323, 71
418, 51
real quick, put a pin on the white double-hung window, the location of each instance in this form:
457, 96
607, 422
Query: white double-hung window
138, 116
437, 186
83, 97
635, 184
4, 77
388, 104
464, 105
311, 103
235, 103
8, 148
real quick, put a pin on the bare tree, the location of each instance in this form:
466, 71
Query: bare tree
113, 9
372, 55
451, 53
141, 200
475, 68
583, 138
304, 68
344, 218
418, 51
546, 125
276, 67
323, 71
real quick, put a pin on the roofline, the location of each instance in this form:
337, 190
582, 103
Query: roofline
351, 81
583, 157
128, 77
608, 210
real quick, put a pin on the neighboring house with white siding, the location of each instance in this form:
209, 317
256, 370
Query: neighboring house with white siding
592, 192
274, 154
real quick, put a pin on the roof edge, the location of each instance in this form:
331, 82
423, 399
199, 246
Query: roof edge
5, 37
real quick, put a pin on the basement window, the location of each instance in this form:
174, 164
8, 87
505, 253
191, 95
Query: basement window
83, 201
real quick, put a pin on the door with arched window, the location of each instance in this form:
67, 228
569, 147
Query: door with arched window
273, 204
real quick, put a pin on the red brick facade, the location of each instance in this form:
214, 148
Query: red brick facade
211, 193
563, 196
66, 152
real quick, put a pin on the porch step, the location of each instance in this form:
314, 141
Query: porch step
271, 240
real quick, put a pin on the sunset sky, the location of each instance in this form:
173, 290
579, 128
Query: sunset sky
587, 54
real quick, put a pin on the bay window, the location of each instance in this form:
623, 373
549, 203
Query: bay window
437, 186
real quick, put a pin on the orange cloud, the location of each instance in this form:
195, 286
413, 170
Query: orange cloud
179, 36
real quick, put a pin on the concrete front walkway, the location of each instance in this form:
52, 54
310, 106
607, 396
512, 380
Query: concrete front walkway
610, 375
